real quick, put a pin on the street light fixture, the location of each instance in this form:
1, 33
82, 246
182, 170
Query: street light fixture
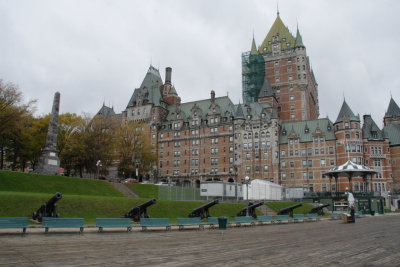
247, 182
98, 165
390, 201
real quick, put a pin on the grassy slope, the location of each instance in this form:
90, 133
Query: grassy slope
35, 183
22, 193
90, 207
276, 206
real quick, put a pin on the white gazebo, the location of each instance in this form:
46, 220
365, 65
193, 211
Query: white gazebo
350, 170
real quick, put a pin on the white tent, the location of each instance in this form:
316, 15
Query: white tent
262, 190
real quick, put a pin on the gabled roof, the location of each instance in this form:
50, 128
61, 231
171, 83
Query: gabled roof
393, 109
283, 32
392, 132
298, 128
149, 90
346, 111
370, 130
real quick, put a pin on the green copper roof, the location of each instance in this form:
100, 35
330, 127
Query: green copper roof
224, 104
299, 39
305, 130
278, 33
253, 48
370, 130
149, 90
346, 111
393, 109
392, 132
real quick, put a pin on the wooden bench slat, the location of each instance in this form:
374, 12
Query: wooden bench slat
14, 222
50, 222
194, 221
154, 222
113, 222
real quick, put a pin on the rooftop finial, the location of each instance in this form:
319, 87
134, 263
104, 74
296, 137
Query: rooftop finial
277, 8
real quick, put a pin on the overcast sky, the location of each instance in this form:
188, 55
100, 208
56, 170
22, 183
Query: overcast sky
99, 51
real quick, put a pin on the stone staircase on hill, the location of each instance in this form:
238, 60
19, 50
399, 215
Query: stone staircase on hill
124, 190
266, 210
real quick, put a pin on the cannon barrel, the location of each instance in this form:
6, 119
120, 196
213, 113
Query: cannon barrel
289, 210
47, 209
202, 211
54, 199
319, 209
250, 210
140, 211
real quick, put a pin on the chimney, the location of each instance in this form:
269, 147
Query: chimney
212, 96
168, 71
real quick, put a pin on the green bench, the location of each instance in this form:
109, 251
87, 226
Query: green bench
50, 222
283, 218
242, 220
194, 221
298, 217
265, 219
114, 223
213, 222
155, 222
312, 217
14, 222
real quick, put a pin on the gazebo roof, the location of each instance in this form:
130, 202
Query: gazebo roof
350, 169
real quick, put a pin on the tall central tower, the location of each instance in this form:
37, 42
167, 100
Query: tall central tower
285, 70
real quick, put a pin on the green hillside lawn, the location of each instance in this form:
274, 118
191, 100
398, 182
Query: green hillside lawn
17, 204
35, 183
276, 206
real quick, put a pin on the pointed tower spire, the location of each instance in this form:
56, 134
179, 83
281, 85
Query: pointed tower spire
277, 8
393, 109
346, 111
254, 50
299, 39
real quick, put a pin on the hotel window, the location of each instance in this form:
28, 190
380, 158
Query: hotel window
283, 176
265, 168
291, 98
291, 107
323, 163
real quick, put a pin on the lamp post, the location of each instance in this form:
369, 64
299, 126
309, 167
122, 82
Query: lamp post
247, 182
98, 165
390, 201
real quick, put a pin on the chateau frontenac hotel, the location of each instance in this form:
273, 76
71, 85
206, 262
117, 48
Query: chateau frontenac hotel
275, 134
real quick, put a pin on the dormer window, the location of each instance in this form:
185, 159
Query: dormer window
306, 130
284, 132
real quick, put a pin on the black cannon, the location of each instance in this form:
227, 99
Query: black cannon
48, 209
250, 210
289, 210
319, 209
202, 211
140, 211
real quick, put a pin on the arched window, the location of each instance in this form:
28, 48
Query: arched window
244, 136
262, 135
256, 135
268, 134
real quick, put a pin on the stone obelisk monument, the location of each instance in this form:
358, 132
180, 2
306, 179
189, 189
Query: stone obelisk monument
49, 163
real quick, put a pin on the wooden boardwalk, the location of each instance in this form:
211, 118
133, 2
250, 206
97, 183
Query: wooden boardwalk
371, 241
